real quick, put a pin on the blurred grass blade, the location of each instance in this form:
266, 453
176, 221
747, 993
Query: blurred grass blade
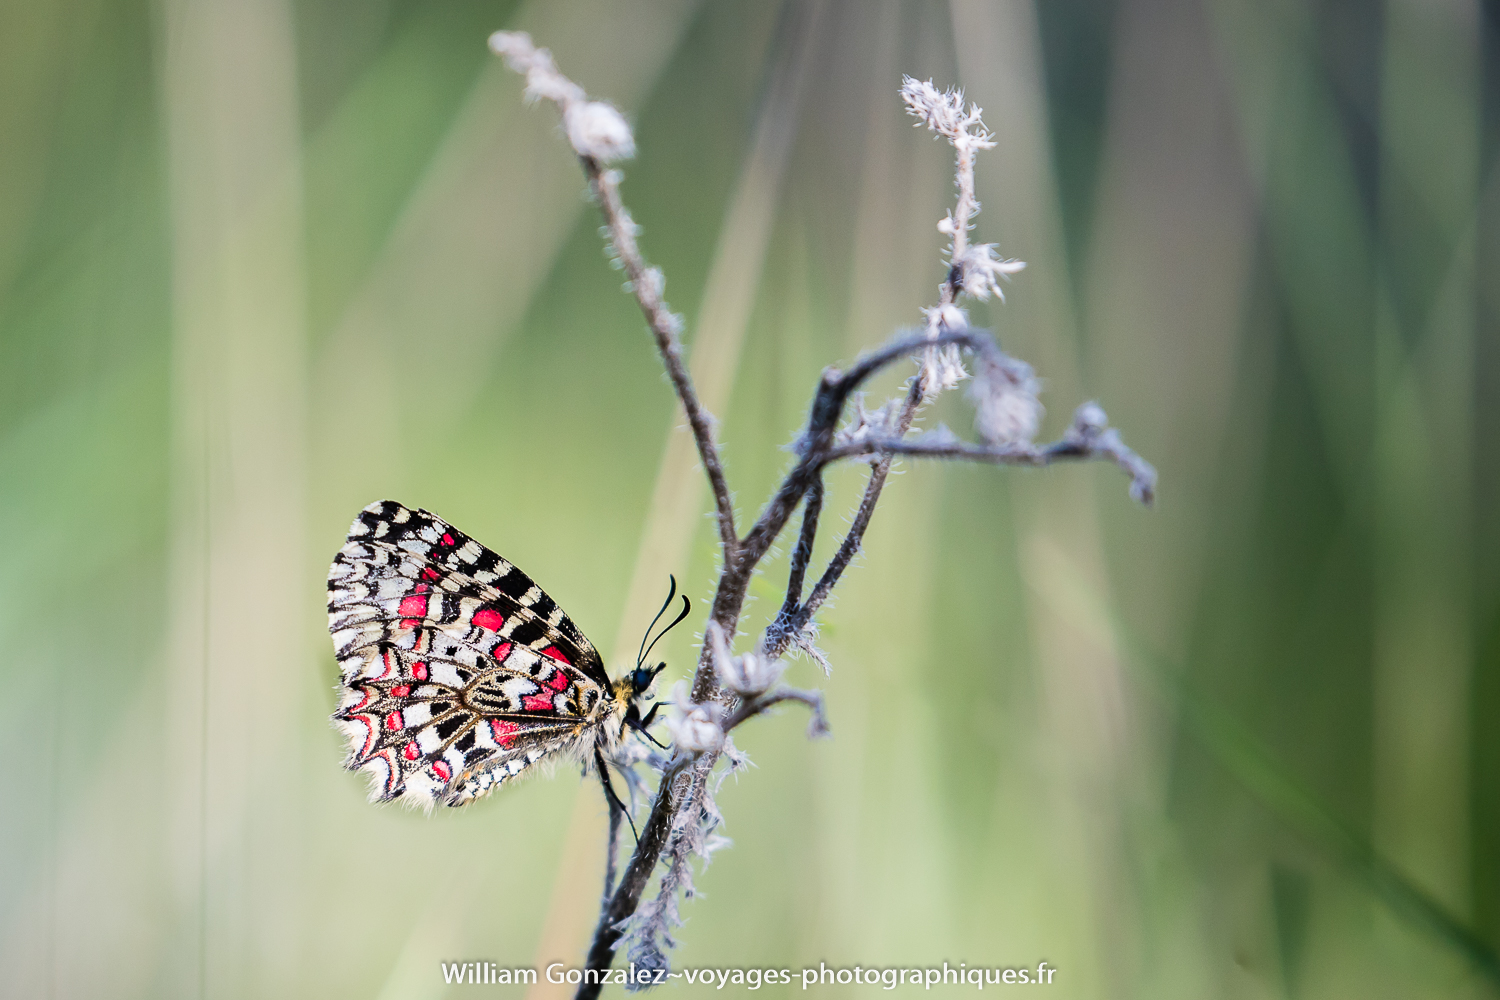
1235, 748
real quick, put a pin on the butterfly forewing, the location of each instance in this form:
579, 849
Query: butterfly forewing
395, 557
458, 671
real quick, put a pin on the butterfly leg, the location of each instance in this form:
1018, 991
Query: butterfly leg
641, 725
609, 792
611, 858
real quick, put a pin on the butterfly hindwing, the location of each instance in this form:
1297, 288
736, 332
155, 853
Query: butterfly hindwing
528, 742
418, 719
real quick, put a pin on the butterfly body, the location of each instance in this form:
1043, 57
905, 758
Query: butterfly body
458, 672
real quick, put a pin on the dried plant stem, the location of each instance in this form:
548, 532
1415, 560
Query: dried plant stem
612, 853
646, 284
752, 707
818, 450
963, 210
683, 812
812, 508
627, 897
795, 618
1019, 454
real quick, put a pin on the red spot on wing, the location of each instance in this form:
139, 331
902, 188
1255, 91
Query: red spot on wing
390, 664
447, 538
412, 751
363, 701
537, 703
489, 618
419, 670
393, 721
430, 574
413, 606
501, 651
556, 654
400, 690
503, 731
440, 769
559, 681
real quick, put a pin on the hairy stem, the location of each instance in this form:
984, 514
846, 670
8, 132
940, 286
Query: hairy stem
1106, 445
833, 392
854, 538
645, 283
758, 705
627, 897
963, 210
802, 554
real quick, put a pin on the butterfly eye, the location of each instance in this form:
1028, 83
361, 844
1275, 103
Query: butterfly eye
642, 679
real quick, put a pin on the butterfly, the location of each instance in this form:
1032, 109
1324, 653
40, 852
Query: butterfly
458, 672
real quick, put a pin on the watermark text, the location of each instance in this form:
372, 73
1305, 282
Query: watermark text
480, 973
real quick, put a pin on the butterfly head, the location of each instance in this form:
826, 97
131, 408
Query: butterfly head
640, 680
635, 687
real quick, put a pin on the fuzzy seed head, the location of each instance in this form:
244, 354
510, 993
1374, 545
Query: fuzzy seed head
1007, 410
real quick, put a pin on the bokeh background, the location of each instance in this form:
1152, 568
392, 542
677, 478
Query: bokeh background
264, 261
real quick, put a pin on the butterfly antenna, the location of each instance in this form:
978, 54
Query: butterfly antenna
641, 656
687, 606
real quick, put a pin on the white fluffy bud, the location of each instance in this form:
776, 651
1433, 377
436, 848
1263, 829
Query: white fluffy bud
746, 675
751, 673
693, 726
597, 130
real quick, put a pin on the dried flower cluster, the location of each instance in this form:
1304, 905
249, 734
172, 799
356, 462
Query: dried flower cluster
973, 271
729, 689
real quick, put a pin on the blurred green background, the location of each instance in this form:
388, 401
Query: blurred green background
263, 262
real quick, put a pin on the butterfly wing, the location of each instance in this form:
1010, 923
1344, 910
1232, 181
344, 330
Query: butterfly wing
458, 671
401, 565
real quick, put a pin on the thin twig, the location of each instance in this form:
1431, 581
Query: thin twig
646, 282
944, 114
758, 705
848, 548
599, 134
790, 626
1019, 454
1105, 445
832, 394
802, 554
